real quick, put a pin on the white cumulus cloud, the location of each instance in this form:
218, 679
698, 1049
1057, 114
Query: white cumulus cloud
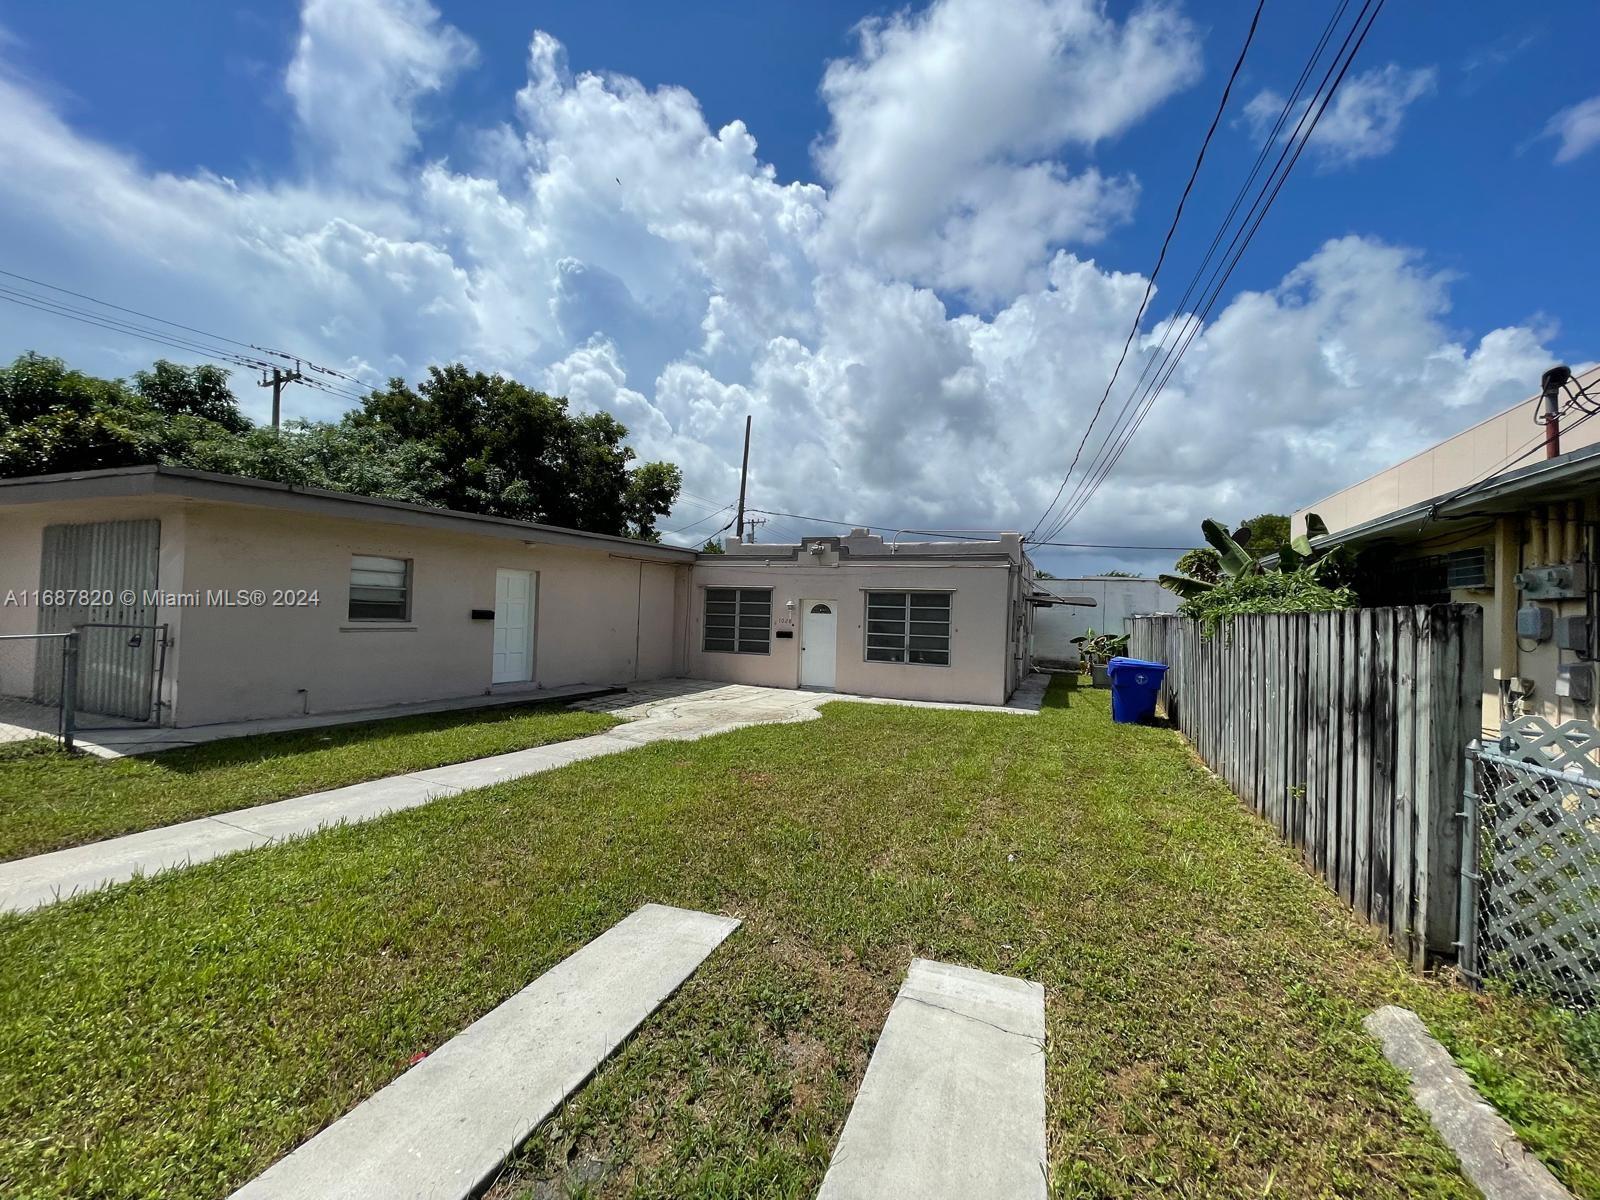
608, 244
946, 124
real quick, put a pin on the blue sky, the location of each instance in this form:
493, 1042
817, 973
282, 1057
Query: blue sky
922, 299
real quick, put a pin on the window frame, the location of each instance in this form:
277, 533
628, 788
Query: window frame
740, 599
408, 588
908, 607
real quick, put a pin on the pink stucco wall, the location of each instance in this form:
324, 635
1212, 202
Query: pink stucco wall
979, 615
601, 617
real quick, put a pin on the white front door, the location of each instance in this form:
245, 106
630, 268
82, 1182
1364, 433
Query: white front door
817, 643
513, 626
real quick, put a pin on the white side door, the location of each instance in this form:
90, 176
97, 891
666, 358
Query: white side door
818, 643
513, 626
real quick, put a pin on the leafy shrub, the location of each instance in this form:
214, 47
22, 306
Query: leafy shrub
1273, 592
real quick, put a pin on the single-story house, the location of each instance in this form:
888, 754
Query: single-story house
218, 598
1490, 517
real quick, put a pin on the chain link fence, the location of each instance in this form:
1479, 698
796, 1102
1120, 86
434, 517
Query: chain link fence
1530, 897
36, 686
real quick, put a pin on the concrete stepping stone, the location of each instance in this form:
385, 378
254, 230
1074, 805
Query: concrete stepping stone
952, 1106
441, 1130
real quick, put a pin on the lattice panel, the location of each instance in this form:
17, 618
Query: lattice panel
1538, 842
1570, 746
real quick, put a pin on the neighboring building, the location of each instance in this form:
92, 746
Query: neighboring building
278, 601
1102, 603
1485, 518
912, 620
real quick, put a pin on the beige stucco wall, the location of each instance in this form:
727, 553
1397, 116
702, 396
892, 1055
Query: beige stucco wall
1455, 462
980, 614
600, 617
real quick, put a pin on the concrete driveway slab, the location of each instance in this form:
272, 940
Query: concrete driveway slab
952, 1105
444, 1127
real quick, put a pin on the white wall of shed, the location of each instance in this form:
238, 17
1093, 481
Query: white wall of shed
1115, 601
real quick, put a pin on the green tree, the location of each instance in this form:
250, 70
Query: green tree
511, 451
712, 546
461, 439
54, 419
191, 392
1269, 532
335, 456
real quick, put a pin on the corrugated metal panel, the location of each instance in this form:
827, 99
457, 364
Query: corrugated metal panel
109, 570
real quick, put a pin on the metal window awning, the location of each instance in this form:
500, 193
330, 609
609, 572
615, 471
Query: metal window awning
1050, 599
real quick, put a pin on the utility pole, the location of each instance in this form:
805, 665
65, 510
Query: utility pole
744, 474
276, 383
753, 524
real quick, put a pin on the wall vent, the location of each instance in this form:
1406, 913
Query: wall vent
1470, 568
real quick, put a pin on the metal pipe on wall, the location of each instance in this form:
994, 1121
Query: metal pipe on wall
1535, 539
1570, 547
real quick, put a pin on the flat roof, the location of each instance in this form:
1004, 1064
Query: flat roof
185, 484
1564, 478
1585, 377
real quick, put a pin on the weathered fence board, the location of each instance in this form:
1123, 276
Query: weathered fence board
1345, 731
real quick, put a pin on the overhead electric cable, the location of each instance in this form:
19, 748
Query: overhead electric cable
1118, 440
178, 340
1161, 257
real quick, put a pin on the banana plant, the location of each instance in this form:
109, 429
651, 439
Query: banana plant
1237, 560
1101, 648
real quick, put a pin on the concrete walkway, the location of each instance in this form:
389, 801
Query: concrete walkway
952, 1105
444, 1128
667, 710
114, 737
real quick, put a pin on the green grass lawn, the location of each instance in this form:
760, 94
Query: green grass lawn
50, 800
1204, 994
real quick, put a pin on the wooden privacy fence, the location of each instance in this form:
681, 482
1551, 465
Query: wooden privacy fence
1346, 731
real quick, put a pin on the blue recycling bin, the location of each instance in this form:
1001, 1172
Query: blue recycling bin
1134, 687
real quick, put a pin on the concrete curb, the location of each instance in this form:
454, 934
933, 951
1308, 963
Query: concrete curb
1494, 1160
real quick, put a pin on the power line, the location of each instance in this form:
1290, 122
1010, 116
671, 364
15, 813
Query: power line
1117, 442
966, 535
176, 336
1528, 451
708, 517
1108, 546
283, 354
1190, 328
1271, 139
174, 341
1166, 242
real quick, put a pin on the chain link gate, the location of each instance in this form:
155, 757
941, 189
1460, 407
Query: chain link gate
27, 709
1530, 895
